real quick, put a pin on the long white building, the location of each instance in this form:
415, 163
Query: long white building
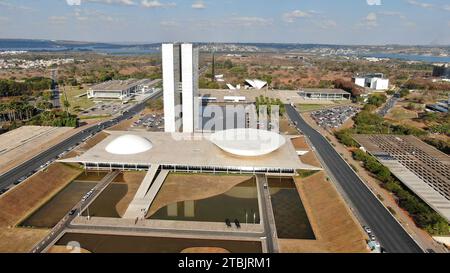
120, 90
180, 83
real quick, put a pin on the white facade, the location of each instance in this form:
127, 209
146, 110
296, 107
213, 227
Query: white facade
360, 81
234, 98
380, 84
169, 86
128, 145
180, 83
247, 142
256, 84
375, 83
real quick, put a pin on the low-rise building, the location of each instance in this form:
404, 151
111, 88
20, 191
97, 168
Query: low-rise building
374, 81
441, 71
118, 89
324, 94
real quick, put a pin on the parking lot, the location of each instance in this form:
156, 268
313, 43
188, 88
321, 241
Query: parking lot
106, 108
334, 117
150, 122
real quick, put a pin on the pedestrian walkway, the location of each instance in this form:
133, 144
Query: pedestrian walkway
146, 194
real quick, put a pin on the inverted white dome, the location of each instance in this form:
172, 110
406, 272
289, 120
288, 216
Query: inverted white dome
247, 142
128, 145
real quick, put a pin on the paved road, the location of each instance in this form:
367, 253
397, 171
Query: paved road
389, 232
267, 216
55, 97
8, 178
389, 105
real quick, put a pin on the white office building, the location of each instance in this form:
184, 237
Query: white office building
372, 81
120, 90
180, 83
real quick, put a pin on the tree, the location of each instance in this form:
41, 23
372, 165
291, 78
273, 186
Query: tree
377, 99
66, 104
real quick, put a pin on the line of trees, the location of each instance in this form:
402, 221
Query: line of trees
11, 88
56, 118
16, 111
424, 216
266, 101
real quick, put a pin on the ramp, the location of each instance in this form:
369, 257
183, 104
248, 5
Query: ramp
147, 182
141, 203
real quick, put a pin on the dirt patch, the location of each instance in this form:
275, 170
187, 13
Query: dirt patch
65, 249
300, 143
310, 158
398, 113
205, 250
286, 128
184, 187
34, 192
302, 246
334, 225
20, 240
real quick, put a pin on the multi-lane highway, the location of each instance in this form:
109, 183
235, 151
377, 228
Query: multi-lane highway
30, 166
390, 233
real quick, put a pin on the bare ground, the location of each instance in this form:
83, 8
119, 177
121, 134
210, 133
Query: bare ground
335, 227
20, 240
22, 200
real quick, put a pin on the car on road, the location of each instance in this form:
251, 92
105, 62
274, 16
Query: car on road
20, 180
72, 212
367, 230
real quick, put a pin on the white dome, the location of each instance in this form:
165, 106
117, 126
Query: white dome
247, 142
128, 145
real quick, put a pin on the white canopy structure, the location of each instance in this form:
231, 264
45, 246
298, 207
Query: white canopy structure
247, 141
256, 84
128, 145
184, 152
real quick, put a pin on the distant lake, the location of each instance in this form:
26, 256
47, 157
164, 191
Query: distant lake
53, 46
408, 57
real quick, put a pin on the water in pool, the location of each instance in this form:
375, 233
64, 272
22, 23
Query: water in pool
291, 219
101, 243
240, 202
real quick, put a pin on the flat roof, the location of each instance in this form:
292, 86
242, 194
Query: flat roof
422, 168
286, 96
119, 85
180, 149
324, 91
21, 142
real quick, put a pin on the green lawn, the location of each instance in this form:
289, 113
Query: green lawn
71, 92
401, 114
311, 107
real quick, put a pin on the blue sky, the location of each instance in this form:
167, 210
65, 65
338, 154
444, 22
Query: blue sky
294, 21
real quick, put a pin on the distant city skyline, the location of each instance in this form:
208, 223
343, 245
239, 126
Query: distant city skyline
377, 22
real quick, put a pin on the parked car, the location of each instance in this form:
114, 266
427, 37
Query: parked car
367, 229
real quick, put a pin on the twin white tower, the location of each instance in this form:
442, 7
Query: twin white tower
180, 83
